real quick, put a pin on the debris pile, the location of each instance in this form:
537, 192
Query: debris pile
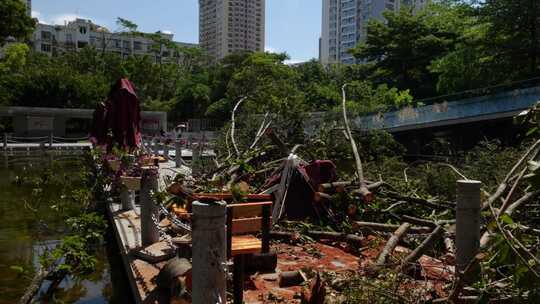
348, 238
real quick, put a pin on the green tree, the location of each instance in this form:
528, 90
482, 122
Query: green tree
514, 37
269, 85
402, 48
470, 65
14, 22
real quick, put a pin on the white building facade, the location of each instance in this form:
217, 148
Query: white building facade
76, 35
344, 25
229, 26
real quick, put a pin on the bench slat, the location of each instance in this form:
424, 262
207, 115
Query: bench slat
246, 210
247, 225
245, 244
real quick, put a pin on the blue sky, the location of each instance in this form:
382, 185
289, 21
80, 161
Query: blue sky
292, 26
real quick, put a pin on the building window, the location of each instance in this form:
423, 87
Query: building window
46, 48
82, 30
46, 35
137, 45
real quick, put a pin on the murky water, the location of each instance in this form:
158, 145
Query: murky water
27, 228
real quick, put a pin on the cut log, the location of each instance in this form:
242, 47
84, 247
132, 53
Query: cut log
291, 278
334, 187
392, 243
320, 196
261, 262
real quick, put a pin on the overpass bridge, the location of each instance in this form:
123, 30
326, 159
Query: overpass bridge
479, 110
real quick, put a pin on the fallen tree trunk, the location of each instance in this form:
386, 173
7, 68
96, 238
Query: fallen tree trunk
277, 141
321, 235
387, 227
464, 277
485, 240
423, 222
421, 201
340, 186
420, 250
34, 286
392, 243
363, 190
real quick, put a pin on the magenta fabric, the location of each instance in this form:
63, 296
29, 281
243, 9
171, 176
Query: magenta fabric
98, 134
124, 114
320, 172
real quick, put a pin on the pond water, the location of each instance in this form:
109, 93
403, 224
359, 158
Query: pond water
28, 227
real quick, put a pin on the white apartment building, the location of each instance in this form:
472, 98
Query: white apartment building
344, 25
81, 33
228, 26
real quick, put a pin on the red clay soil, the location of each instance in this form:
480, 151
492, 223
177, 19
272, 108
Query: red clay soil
264, 288
432, 276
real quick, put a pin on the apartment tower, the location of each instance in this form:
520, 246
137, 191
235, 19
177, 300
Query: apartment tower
344, 25
229, 26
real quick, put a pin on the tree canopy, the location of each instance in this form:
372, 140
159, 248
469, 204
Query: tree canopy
448, 47
14, 22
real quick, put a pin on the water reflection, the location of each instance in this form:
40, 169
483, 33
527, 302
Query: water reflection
26, 229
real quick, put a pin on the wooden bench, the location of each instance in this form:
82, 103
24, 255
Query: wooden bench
243, 222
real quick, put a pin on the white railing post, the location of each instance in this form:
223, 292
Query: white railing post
178, 153
51, 140
127, 198
467, 222
195, 158
209, 252
5, 142
166, 150
149, 186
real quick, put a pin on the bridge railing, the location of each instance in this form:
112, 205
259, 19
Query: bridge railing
49, 140
489, 90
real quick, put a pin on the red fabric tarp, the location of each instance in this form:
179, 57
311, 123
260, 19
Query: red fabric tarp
98, 135
305, 181
121, 116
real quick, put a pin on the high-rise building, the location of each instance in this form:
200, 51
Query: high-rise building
345, 22
228, 26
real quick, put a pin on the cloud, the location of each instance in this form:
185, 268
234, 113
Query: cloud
293, 61
270, 49
64, 18
167, 32
36, 14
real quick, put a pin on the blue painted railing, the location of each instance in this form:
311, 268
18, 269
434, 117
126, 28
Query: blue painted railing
490, 107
